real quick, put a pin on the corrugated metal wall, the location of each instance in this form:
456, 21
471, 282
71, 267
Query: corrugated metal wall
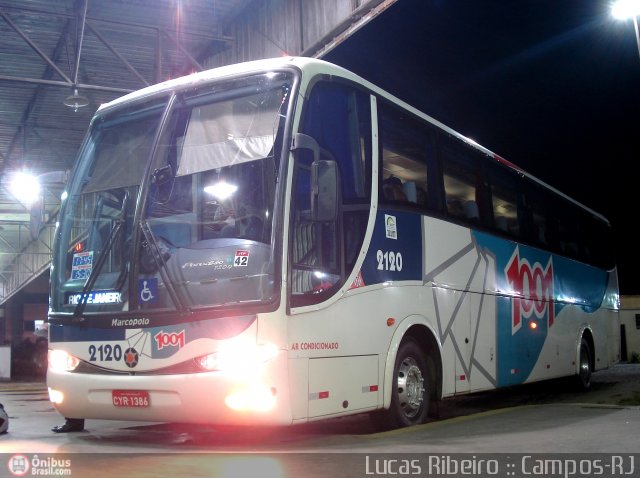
272, 28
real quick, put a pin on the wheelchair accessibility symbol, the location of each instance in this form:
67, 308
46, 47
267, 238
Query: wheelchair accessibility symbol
148, 290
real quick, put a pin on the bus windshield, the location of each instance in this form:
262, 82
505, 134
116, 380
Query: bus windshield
172, 202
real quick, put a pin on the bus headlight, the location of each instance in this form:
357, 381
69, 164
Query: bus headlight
61, 361
238, 359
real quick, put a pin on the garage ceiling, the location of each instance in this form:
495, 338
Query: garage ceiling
97, 50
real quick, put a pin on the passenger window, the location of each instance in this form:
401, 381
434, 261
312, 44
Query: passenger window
461, 170
505, 200
537, 215
407, 151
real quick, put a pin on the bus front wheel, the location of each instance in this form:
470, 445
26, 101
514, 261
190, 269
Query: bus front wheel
411, 389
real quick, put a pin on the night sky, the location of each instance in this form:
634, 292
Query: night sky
552, 86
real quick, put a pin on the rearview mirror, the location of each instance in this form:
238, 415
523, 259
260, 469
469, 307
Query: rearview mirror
162, 179
325, 181
324, 191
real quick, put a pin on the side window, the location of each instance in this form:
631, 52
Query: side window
567, 230
407, 151
578, 234
463, 184
599, 241
323, 254
506, 200
536, 215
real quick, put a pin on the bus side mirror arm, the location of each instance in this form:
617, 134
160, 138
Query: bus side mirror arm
304, 141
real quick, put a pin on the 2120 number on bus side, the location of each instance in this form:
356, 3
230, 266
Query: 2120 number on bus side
389, 260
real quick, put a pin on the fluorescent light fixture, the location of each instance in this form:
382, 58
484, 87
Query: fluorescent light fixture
76, 100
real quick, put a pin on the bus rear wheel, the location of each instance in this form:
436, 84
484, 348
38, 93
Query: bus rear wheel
411, 389
585, 368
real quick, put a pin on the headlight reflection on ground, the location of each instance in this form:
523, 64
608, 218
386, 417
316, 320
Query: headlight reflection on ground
234, 467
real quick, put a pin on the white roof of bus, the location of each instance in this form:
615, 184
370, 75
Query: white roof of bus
312, 66
219, 73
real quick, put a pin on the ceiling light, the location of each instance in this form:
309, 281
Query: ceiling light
624, 9
25, 187
76, 100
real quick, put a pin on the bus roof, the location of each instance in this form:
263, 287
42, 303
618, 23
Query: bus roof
205, 76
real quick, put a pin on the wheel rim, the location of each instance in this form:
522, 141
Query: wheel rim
585, 366
410, 387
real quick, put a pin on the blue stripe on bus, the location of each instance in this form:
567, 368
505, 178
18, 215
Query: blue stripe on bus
570, 284
573, 282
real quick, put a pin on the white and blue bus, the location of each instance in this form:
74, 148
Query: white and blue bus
281, 241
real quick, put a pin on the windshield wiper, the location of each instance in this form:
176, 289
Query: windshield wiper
175, 293
95, 271
102, 258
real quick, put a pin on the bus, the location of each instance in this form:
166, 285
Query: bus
281, 241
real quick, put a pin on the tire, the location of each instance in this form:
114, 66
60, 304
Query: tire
411, 390
585, 367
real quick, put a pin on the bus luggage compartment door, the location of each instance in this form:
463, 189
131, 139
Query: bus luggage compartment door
342, 384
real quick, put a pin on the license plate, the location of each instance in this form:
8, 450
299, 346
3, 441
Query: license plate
130, 398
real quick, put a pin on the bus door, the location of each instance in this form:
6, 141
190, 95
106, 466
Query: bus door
324, 249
